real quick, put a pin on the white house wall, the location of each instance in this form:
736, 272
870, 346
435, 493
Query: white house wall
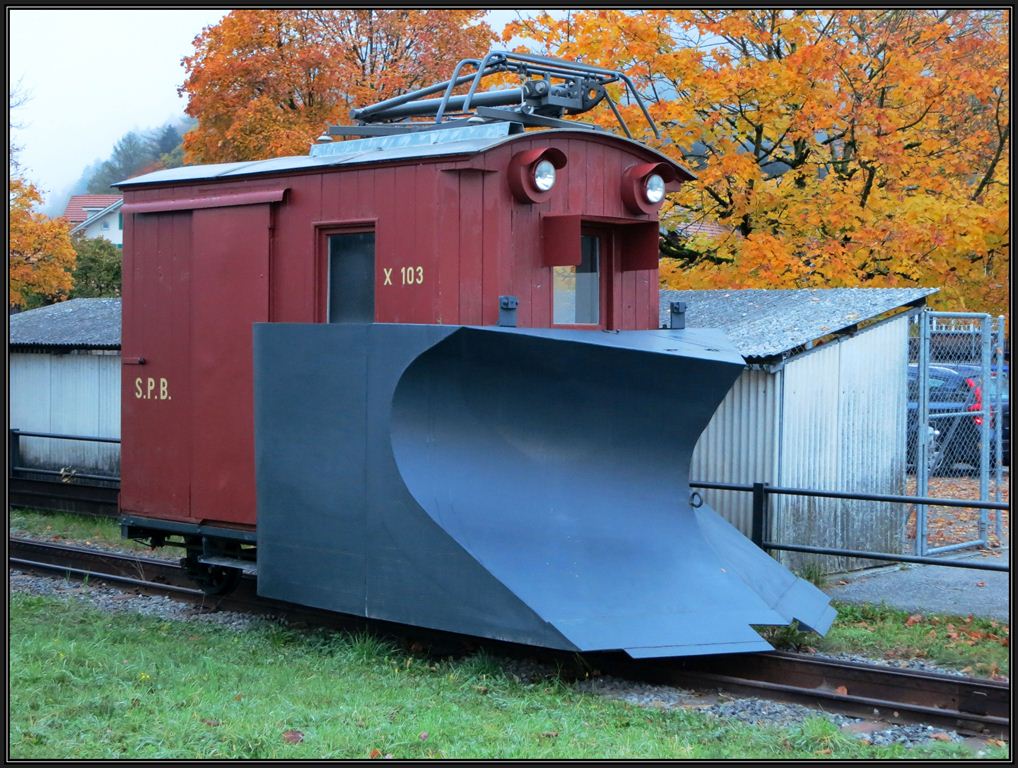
108, 226
75, 393
739, 445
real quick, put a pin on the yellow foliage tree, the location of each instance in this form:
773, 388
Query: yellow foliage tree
265, 83
836, 147
40, 255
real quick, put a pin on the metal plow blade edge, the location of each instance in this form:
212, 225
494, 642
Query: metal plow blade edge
528, 485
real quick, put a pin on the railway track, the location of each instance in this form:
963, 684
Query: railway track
81, 498
968, 705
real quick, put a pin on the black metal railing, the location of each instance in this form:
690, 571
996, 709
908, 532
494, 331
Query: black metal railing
14, 465
761, 521
761, 505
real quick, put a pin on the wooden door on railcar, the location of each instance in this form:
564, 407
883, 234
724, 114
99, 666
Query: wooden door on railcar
229, 294
155, 459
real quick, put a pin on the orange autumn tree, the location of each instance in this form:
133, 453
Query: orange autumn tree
40, 255
264, 83
836, 148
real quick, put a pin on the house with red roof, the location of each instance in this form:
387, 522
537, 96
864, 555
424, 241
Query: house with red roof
97, 216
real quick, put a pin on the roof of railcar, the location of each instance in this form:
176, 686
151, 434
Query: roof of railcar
469, 140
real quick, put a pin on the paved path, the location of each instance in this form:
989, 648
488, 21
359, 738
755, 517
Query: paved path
929, 588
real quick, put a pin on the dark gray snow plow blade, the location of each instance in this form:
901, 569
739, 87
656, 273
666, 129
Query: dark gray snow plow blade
528, 485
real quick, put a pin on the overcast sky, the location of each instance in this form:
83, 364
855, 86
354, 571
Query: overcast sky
93, 75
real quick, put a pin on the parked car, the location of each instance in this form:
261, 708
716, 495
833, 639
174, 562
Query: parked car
999, 380
955, 391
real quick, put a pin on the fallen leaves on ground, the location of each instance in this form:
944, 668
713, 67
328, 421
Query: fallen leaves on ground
955, 525
293, 736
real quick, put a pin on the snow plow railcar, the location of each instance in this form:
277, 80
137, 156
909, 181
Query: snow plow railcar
417, 376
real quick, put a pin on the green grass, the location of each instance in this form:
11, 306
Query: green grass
37, 524
975, 645
978, 646
90, 685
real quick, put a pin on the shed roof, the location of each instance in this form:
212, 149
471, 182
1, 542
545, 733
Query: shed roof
769, 324
75, 211
74, 324
468, 140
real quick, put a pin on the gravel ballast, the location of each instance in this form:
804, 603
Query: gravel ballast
917, 665
107, 597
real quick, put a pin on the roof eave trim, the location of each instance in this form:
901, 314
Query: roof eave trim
212, 201
46, 347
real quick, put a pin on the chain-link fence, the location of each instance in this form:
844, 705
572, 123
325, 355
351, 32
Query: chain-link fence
958, 442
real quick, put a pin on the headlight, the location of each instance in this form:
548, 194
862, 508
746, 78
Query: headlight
544, 175
654, 188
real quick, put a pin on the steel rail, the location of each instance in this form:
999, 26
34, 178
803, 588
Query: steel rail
85, 573
969, 705
99, 564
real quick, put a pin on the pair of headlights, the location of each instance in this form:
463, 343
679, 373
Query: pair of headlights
544, 180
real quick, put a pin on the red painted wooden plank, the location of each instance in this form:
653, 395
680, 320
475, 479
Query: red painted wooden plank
427, 245
643, 317
392, 305
447, 190
470, 247
293, 251
580, 178
628, 321
496, 273
530, 275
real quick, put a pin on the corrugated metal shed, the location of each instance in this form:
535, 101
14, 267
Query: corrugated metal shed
74, 324
76, 393
65, 379
771, 324
740, 445
827, 416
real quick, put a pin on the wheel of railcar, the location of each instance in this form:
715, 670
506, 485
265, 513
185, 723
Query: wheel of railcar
211, 579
